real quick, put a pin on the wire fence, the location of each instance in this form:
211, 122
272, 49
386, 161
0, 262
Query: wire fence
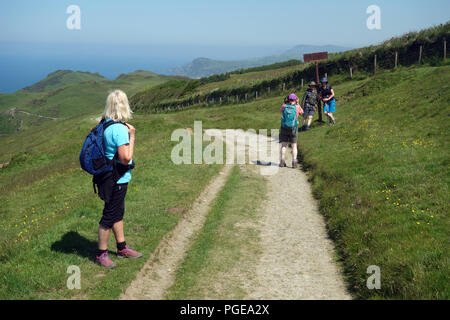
367, 61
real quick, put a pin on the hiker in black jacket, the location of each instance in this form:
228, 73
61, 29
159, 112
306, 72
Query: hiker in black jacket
309, 105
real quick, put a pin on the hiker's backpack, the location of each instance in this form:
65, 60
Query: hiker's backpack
93, 157
289, 118
310, 99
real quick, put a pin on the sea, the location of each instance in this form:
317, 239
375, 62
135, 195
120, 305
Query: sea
23, 64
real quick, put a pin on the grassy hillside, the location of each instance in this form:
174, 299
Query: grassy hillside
61, 78
381, 175
250, 77
50, 213
170, 90
66, 94
189, 90
361, 61
204, 67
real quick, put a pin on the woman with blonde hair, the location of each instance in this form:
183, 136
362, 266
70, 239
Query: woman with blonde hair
119, 139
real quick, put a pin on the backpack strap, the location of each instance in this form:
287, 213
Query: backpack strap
118, 168
110, 123
106, 125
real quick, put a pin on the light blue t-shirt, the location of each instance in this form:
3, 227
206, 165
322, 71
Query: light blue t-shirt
115, 136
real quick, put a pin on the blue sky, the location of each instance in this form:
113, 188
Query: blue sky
216, 23
120, 36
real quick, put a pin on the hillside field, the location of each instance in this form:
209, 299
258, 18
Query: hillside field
381, 176
65, 94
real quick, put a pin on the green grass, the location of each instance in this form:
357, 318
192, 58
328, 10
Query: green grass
225, 243
170, 89
237, 80
61, 78
8, 125
382, 177
50, 214
71, 95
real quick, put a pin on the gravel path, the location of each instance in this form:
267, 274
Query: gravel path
297, 258
297, 261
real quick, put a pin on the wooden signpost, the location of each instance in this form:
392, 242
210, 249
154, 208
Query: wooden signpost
316, 57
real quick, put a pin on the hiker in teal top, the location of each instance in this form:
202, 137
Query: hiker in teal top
115, 136
290, 112
119, 140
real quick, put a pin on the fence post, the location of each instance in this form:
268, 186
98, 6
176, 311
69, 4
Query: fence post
351, 73
220, 100
396, 60
326, 75
375, 64
302, 82
246, 96
284, 86
420, 54
256, 95
445, 48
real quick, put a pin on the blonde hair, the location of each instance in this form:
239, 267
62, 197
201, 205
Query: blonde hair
117, 107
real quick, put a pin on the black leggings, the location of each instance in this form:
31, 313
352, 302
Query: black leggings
115, 208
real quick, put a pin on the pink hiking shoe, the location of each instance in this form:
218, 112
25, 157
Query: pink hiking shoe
128, 253
105, 261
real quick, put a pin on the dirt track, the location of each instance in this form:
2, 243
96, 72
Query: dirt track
158, 274
297, 258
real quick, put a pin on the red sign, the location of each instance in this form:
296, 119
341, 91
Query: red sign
315, 56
